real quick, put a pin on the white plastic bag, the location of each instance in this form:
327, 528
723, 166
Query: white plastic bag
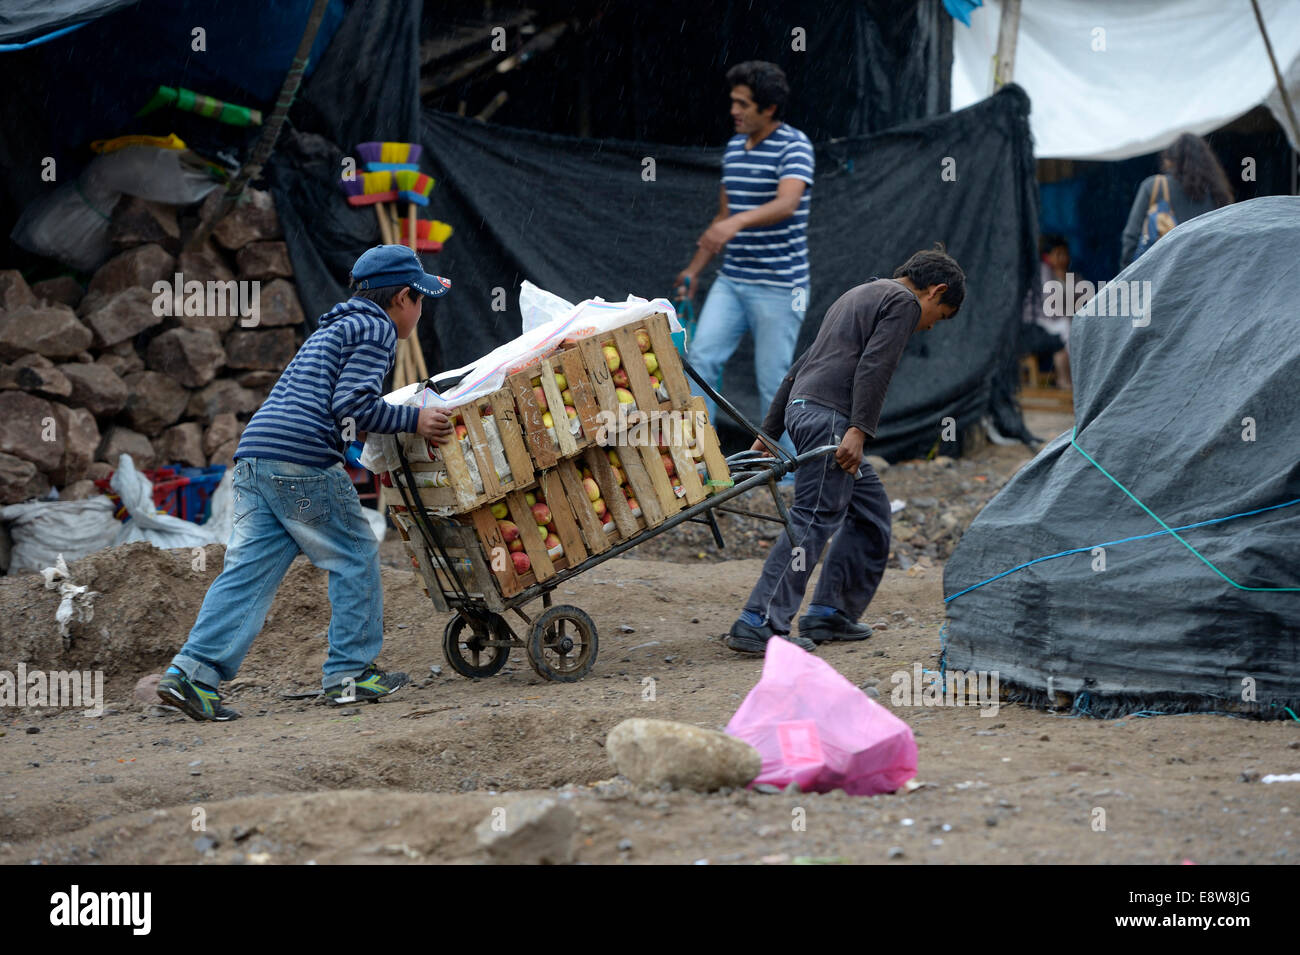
42, 530
488, 374
146, 524
538, 306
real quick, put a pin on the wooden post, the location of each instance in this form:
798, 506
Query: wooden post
1004, 61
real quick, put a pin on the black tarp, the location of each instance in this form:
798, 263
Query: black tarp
577, 218
1195, 414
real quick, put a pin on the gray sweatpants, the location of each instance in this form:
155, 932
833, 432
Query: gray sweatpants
829, 505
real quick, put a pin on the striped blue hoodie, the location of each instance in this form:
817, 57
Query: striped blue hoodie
337, 375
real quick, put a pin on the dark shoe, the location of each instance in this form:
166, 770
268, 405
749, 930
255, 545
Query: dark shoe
371, 685
835, 627
195, 700
744, 638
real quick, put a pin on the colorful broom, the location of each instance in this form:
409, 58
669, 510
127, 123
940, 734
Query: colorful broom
392, 157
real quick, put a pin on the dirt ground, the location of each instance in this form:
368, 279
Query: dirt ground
407, 780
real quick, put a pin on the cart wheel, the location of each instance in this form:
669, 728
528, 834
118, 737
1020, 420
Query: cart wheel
562, 644
476, 654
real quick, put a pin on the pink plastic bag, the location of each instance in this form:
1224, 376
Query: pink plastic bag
815, 728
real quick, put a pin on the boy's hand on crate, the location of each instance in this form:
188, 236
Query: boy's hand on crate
434, 425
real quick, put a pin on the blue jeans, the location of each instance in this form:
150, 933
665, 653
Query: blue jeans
280, 510
830, 504
769, 314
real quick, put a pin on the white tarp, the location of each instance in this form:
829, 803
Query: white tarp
1110, 79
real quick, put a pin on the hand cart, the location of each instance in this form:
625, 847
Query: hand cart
561, 641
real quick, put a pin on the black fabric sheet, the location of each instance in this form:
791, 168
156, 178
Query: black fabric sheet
577, 218
1163, 408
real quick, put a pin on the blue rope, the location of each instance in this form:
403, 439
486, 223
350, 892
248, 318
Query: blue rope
1124, 540
10, 47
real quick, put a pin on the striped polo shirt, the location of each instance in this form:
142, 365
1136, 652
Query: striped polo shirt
771, 254
337, 376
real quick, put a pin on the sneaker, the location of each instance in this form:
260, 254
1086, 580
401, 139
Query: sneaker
371, 685
744, 638
835, 627
195, 700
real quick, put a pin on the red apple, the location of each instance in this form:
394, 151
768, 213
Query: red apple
516, 545
522, 563
509, 530
651, 362
619, 476
552, 541
462, 431
624, 396
633, 505
541, 513
600, 506
592, 488
540, 395
668, 464
642, 339
621, 379
611, 356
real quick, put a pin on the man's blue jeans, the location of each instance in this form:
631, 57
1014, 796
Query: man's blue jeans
280, 510
767, 312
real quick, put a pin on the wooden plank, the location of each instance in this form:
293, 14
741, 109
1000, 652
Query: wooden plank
706, 442
489, 533
598, 372
685, 467
540, 446
566, 525
609, 490
461, 485
478, 442
638, 478
555, 404
638, 378
512, 438
663, 488
584, 394
670, 372
533, 546
592, 529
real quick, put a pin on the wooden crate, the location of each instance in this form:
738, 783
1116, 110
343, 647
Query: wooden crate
449, 466
665, 417
548, 446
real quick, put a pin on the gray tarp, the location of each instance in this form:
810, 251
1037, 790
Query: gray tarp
1197, 414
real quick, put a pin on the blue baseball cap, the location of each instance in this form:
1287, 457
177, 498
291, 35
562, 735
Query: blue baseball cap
396, 265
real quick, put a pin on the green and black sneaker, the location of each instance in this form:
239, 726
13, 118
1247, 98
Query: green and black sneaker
195, 700
372, 685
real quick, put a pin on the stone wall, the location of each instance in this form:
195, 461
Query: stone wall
127, 364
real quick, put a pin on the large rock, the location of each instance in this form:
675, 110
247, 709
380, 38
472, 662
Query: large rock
141, 222
260, 349
121, 364
190, 355
64, 290
280, 305
218, 397
80, 442
153, 401
182, 443
224, 428
654, 752
96, 388
252, 220
49, 330
35, 373
137, 268
121, 316
264, 261
224, 454
207, 265
14, 290
20, 480
118, 441
79, 490
535, 830
29, 429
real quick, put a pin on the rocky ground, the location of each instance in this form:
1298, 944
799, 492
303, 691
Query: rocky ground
411, 780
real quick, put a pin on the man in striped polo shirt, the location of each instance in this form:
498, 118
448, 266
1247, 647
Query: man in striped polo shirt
762, 220
293, 496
